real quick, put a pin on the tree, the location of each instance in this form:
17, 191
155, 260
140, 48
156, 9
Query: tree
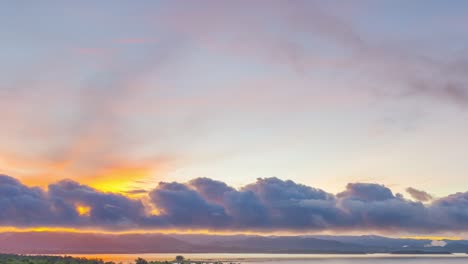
179, 259
141, 261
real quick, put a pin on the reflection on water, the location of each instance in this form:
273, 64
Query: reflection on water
292, 258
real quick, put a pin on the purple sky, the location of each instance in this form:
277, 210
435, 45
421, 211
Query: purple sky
119, 96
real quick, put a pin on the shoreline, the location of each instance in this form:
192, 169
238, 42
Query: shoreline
227, 258
263, 257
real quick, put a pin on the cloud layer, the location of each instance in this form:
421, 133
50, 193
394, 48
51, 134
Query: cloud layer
419, 195
269, 204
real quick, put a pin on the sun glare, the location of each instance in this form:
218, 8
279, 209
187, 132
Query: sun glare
83, 210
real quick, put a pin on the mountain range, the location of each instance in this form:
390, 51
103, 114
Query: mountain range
88, 243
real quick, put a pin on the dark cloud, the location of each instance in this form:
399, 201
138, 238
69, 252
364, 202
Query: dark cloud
266, 205
136, 191
293, 205
374, 206
419, 195
451, 212
367, 192
182, 206
273, 190
210, 189
247, 210
105, 208
24, 206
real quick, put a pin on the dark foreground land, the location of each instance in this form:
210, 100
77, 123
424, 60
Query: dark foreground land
25, 259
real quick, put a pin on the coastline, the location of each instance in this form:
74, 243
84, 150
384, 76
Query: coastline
262, 257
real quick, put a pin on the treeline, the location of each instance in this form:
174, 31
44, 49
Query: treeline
26, 259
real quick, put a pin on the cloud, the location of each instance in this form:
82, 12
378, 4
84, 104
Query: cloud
85, 112
136, 191
210, 189
419, 195
367, 192
300, 25
281, 35
105, 208
58, 206
183, 206
436, 243
293, 205
24, 206
273, 190
269, 204
376, 207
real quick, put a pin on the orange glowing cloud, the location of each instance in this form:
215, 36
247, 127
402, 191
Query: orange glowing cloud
83, 210
116, 176
120, 178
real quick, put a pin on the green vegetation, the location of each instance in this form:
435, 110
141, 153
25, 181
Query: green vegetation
23, 259
26, 259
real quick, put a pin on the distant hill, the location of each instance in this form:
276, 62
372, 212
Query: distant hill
69, 243
286, 244
52, 242
387, 245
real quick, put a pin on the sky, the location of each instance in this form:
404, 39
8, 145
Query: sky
245, 116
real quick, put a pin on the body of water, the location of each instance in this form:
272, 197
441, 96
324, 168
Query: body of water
292, 258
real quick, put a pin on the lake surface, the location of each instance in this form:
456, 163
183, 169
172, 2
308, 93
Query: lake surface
293, 258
